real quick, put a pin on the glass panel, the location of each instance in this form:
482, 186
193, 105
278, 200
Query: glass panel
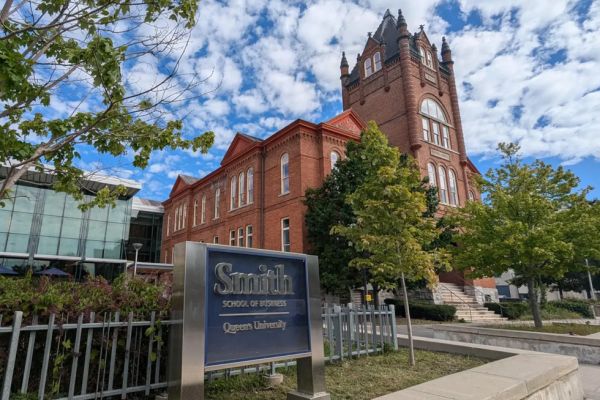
47, 245
112, 250
436, 132
96, 230
3, 237
68, 247
71, 228
118, 213
17, 243
25, 200
54, 203
114, 232
21, 222
425, 123
71, 209
5, 216
99, 214
94, 248
50, 226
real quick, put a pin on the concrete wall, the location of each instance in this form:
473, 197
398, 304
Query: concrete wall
585, 349
525, 376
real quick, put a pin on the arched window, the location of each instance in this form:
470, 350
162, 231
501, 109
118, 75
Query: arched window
453, 188
431, 174
334, 157
422, 54
368, 67
242, 191
285, 173
435, 124
233, 193
250, 185
203, 210
217, 202
443, 187
377, 61
176, 222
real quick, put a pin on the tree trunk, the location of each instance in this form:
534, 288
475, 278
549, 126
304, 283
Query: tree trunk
533, 303
411, 349
376, 295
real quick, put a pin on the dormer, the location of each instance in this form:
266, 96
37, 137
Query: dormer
425, 48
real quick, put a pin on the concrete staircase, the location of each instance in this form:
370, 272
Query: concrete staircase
467, 307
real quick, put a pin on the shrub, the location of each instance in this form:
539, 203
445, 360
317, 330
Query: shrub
434, 312
511, 310
581, 307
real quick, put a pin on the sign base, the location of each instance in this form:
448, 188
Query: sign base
306, 396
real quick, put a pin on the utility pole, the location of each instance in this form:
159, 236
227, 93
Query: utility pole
593, 294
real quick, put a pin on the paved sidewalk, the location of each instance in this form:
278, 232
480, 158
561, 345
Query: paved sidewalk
590, 376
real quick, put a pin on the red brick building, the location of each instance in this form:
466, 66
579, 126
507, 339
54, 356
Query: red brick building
255, 198
399, 82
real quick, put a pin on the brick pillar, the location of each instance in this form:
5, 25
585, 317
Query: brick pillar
409, 89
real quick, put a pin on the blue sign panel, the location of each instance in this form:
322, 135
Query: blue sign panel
256, 306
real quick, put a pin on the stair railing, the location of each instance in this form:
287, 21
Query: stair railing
452, 294
474, 288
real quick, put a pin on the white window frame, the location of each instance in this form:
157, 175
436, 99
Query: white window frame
443, 188
376, 62
168, 224
195, 211
445, 137
249, 236
429, 61
242, 189
334, 157
426, 129
233, 194
250, 185
435, 130
431, 173
216, 239
217, 203
176, 222
284, 167
471, 195
453, 187
232, 237
368, 67
241, 237
203, 210
286, 247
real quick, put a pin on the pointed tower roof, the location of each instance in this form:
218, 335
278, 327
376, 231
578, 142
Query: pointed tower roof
445, 46
344, 62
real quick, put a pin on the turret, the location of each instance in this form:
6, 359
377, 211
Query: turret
344, 66
446, 52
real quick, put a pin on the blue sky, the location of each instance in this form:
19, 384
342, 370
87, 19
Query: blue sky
527, 71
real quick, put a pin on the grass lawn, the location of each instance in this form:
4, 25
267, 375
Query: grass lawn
358, 379
553, 313
568, 329
414, 321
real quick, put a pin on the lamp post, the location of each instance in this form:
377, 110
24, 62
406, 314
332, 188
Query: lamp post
136, 247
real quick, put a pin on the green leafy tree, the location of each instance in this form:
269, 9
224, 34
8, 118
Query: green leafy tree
391, 229
80, 49
532, 219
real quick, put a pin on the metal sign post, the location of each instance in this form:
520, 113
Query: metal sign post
236, 306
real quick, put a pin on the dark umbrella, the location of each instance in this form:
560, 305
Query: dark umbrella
7, 271
52, 272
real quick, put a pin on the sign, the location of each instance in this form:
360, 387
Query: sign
256, 307
234, 306
368, 298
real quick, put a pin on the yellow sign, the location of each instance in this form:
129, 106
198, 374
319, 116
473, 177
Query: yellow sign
369, 297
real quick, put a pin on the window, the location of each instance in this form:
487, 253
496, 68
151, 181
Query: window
377, 61
453, 188
368, 67
175, 227
249, 236
431, 174
195, 211
422, 54
435, 125
426, 57
241, 237
471, 195
242, 191
232, 237
436, 132
216, 239
217, 202
445, 137
250, 185
285, 173
168, 225
184, 216
233, 192
429, 60
203, 210
443, 188
334, 158
425, 129
285, 235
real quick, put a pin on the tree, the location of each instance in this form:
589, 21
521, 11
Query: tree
79, 50
532, 219
391, 229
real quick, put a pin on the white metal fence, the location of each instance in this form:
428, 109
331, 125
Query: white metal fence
96, 357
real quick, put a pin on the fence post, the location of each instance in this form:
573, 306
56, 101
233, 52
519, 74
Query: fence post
113, 353
46, 359
30, 345
394, 326
150, 346
12, 355
127, 355
88, 353
339, 345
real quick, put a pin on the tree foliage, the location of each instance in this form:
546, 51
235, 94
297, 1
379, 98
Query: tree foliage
72, 55
392, 229
533, 219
